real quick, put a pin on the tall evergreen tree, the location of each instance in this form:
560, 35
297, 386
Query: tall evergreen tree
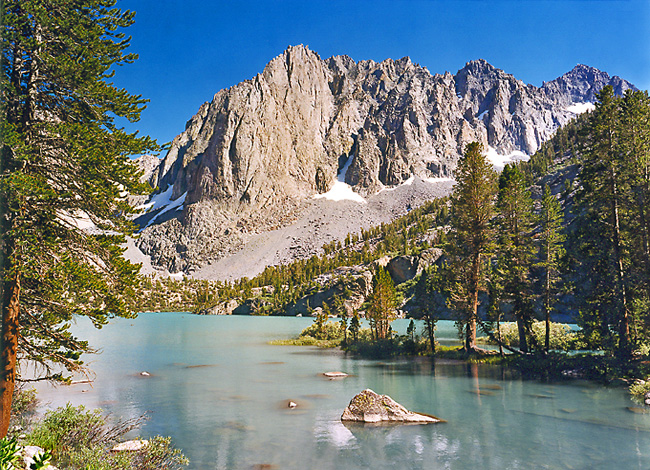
600, 206
551, 250
382, 303
516, 249
635, 152
64, 165
471, 237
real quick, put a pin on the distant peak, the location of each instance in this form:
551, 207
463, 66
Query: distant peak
299, 50
479, 66
479, 63
582, 69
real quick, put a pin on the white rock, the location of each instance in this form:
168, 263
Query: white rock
335, 375
130, 446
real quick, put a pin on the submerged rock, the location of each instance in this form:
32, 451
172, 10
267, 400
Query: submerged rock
370, 407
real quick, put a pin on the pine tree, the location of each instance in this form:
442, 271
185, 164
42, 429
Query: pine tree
551, 237
64, 164
382, 303
471, 235
635, 149
599, 208
355, 326
516, 250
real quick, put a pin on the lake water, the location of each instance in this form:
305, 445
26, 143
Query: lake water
221, 392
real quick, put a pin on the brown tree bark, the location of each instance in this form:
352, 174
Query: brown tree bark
470, 332
8, 353
624, 328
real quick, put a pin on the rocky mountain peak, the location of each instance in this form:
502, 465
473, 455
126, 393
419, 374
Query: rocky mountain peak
253, 157
480, 67
582, 83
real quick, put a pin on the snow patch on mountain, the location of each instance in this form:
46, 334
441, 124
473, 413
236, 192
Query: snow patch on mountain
162, 202
341, 190
579, 108
500, 161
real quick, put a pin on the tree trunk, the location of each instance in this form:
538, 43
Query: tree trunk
470, 332
521, 327
624, 326
547, 297
499, 335
645, 231
10, 324
431, 330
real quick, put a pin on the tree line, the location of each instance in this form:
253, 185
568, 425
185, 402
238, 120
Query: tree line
510, 254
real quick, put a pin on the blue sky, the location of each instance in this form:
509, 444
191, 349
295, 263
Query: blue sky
191, 49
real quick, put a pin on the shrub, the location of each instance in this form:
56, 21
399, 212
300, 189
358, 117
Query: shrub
67, 428
328, 331
23, 409
638, 390
562, 337
158, 454
82, 439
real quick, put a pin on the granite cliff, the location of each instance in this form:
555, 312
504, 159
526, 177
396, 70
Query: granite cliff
252, 159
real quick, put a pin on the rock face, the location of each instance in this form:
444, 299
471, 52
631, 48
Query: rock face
370, 407
405, 268
250, 158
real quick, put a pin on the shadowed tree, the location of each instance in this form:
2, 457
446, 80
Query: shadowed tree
551, 238
599, 210
516, 250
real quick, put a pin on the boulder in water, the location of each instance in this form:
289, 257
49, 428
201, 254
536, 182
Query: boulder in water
370, 407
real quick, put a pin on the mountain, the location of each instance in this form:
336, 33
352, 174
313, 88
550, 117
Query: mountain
252, 160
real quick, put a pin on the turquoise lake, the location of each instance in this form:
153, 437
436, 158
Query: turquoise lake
221, 392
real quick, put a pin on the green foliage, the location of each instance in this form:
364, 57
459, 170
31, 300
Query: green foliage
355, 326
370, 348
382, 303
327, 335
325, 331
472, 235
562, 338
158, 454
25, 401
64, 161
551, 251
417, 230
67, 428
639, 389
23, 408
609, 246
41, 460
515, 251
9, 455
81, 439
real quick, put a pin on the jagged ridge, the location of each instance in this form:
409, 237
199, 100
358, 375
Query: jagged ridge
248, 160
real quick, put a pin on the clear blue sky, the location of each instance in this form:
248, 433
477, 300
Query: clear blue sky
191, 49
